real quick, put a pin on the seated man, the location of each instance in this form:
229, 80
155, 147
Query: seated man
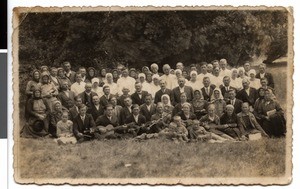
96, 109
160, 119
225, 88
236, 103
126, 110
208, 89
84, 125
137, 120
104, 100
87, 95
247, 94
148, 108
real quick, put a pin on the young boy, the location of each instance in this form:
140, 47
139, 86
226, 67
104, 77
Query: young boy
65, 130
176, 130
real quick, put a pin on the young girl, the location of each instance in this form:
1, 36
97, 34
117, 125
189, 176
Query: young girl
65, 130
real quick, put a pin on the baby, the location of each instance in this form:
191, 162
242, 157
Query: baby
65, 130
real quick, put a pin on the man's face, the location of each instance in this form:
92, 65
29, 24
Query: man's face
148, 100
45, 79
263, 82
181, 82
217, 94
67, 67
136, 111
82, 111
160, 109
78, 102
106, 91
128, 102
231, 95
78, 78
96, 100
125, 73
226, 81
223, 64
64, 86
83, 72
109, 111
113, 101
206, 82
163, 84
246, 84
138, 87
88, 88
185, 109
179, 66
262, 69
210, 68
245, 108
166, 70
216, 64
183, 98
203, 68
216, 71
211, 110
247, 67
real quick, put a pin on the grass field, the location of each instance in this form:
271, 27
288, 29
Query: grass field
152, 158
38, 159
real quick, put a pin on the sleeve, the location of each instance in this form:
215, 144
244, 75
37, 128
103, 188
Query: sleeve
28, 88
29, 108
92, 122
75, 128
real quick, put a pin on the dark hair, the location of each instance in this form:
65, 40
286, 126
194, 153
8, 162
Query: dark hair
135, 106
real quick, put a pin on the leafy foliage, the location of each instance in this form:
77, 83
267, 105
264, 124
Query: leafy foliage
104, 39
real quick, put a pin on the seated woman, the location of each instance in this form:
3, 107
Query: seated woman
185, 113
272, 116
64, 130
55, 117
160, 119
176, 130
211, 122
247, 122
229, 122
199, 104
165, 99
257, 105
37, 116
178, 107
219, 102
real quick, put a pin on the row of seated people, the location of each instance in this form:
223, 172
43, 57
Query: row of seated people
90, 119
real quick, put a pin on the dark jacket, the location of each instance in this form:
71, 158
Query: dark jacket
141, 120
94, 112
225, 93
87, 99
269, 78
73, 112
183, 117
104, 101
159, 93
104, 121
205, 95
145, 112
251, 98
80, 127
136, 98
188, 91
72, 77
124, 114
237, 105
67, 102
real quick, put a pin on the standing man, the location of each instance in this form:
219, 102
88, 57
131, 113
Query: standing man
163, 90
182, 88
68, 72
87, 95
247, 68
262, 73
104, 100
125, 81
180, 66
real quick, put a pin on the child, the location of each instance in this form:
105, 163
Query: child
176, 130
65, 130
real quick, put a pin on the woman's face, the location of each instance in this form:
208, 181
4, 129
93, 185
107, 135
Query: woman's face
178, 74
109, 78
197, 95
92, 72
261, 92
217, 94
60, 73
36, 75
54, 73
194, 77
241, 72
165, 100
234, 74
57, 107
115, 74
149, 77
95, 85
132, 74
252, 75
45, 79
229, 111
37, 94
186, 109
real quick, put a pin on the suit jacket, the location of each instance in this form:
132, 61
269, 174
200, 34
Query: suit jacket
121, 100
159, 93
73, 113
104, 121
72, 77
104, 101
87, 99
205, 95
124, 114
137, 100
188, 91
80, 127
183, 117
178, 108
67, 102
251, 98
237, 105
141, 120
269, 77
94, 112
226, 93
145, 112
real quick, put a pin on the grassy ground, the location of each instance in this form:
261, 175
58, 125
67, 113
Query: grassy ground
152, 158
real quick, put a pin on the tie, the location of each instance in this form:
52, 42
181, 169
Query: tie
232, 103
206, 90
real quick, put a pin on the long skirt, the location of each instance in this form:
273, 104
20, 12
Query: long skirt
276, 126
35, 128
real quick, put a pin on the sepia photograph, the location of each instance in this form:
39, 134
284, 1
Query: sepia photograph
153, 95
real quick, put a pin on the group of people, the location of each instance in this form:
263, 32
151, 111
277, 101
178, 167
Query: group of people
203, 102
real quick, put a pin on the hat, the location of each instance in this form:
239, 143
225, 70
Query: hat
95, 80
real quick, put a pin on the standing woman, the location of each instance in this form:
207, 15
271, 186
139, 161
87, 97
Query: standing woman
102, 75
48, 90
218, 101
91, 73
199, 104
112, 85
115, 75
37, 116
273, 121
254, 82
168, 108
257, 105
33, 84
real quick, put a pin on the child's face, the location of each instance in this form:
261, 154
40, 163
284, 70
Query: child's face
64, 117
211, 111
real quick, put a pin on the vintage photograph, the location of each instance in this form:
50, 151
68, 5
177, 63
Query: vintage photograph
153, 95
